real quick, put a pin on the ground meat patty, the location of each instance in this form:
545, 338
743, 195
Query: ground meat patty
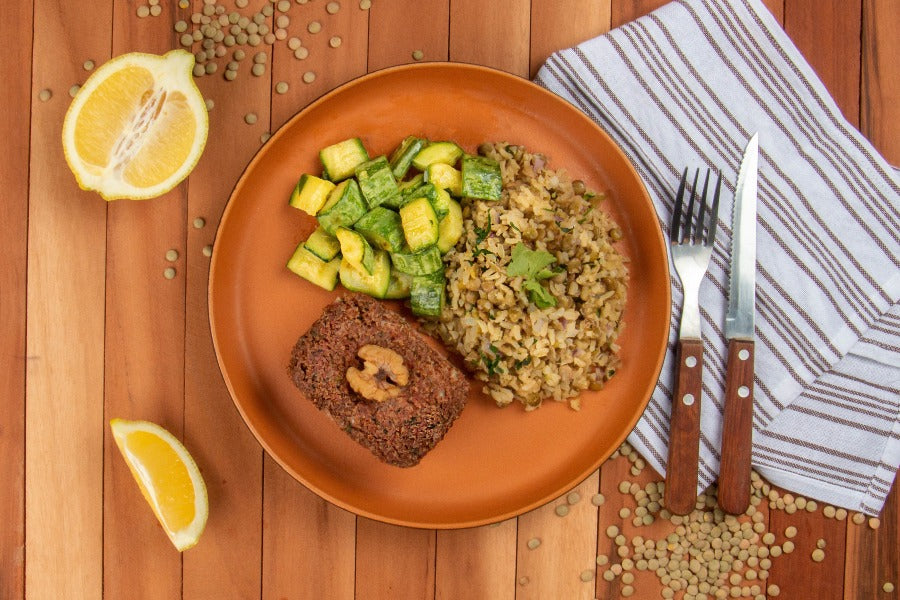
399, 430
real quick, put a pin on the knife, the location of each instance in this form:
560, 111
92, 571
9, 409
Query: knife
737, 428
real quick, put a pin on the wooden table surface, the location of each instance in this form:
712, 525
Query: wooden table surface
92, 330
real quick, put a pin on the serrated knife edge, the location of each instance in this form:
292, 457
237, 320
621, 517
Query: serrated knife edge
742, 275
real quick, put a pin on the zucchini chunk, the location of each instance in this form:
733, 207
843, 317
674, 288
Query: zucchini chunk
398, 286
423, 262
406, 188
402, 157
382, 227
341, 159
377, 183
450, 228
420, 223
322, 244
442, 152
445, 177
356, 249
310, 194
313, 269
426, 295
344, 207
481, 178
375, 283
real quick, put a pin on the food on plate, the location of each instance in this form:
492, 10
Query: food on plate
536, 288
389, 228
510, 263
378, 379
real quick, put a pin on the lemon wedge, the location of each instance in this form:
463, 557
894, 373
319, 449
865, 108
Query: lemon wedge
168, 477
137, 127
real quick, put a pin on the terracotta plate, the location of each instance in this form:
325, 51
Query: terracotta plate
493, 463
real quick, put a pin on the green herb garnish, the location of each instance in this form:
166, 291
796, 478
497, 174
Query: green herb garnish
532, 265
482, 233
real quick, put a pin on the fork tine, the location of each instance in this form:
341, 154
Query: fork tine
701, 214
714, 213
689, 230
676, 210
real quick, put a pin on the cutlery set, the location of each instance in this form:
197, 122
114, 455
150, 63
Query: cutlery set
692, 233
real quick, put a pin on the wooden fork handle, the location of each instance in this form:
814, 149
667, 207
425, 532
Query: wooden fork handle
684, 429
737, 429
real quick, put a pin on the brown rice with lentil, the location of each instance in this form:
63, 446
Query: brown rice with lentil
522, 352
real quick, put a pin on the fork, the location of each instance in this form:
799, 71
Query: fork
691, 235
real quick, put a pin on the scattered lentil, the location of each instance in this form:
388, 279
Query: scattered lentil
314, 27
45, 95
250, 118
258, 70
207, 250
74, 90
210, 104
818, 555
790, 532
562, 510
418, 55
874, 522
309, 77
523, 580
155, 11
88, 65
602, 559
335, 41
365, 4
859, 518
573, 498
199, 223
598, 499
587, 575
840, 514
169, 273
264, 137
172, 255
888, 587
143, 11
281, 87
533, 543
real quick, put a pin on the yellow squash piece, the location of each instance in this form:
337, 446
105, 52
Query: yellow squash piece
167, 476
137, 127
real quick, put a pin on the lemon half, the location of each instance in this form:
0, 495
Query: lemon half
168, 477
137, 127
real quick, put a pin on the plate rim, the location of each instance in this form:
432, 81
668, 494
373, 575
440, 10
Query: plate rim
249, 423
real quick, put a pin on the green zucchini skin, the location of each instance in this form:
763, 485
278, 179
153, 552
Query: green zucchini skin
401, 158
423, 262
426, 295
444, 152
345, 206
481, 178
310, 194
375, 283
312, 268
340, 160
399, 285
420, 223
323, 244
377, 182
450, 229
445, 177
383, 228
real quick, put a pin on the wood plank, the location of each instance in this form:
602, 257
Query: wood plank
837, 63
309, 543
567, 546
308, 550
624, 11
227, 561
872, 554
16, 95
394, 562
558, 24
477, 562
144, 358
796, 573
497, 38
66, 259
392, 41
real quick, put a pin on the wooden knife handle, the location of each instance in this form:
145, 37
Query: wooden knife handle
684, 430
737, 429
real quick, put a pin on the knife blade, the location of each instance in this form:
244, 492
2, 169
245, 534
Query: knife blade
737, 426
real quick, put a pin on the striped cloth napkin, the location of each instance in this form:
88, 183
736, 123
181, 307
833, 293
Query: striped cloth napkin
686, 86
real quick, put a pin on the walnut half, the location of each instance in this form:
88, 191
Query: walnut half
382, 375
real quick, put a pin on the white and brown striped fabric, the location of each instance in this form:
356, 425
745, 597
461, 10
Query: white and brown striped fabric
686, 86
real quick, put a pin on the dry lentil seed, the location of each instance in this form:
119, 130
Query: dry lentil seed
197, 35
602, 559
627, 591
314, 27
787, 547
74, 90
859, 518
811, 506
250, 118
207, 250
309, 77
608, 575
829, 511
820, 543
143, 11
282, 21
624, 487
365, 4
874, 522
533, 543
627, 578
335, 41
840, 514
187, 40
181, 26
254, 39
888, 587
612, 531
265, 137
818, 555
258, 70
239, 54
199, 71
418, 55
283, 5
172, 255
230, 75
211, 68
210, 104
155, 11
45, 95
523, 580
624, 512
260, 58
561, 510
294, 43
199, 223
184, 3
598, 499
790, 532
281, 87
587, 575
169, 273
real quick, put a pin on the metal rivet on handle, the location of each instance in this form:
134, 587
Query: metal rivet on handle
688, 399
744, 354
743, 391
690, 361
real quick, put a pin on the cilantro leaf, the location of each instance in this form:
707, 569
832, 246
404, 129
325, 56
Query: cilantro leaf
527, 263
538, 294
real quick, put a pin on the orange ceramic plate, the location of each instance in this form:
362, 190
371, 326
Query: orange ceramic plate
493, 463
